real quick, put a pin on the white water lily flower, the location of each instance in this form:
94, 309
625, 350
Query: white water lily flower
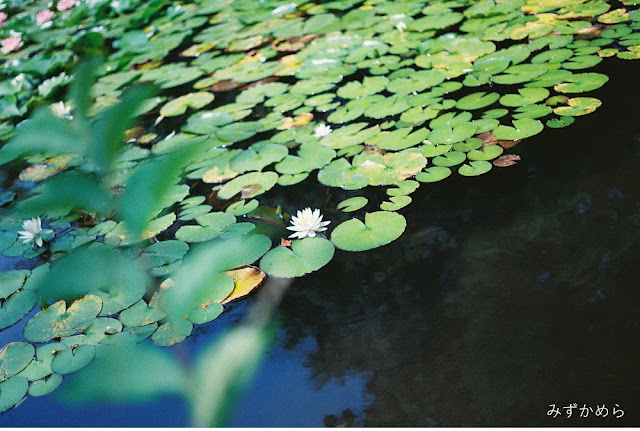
307, 223
322, 130
33, 231
401, 26
62, 110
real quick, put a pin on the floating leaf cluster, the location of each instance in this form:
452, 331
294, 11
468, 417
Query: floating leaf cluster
252, 96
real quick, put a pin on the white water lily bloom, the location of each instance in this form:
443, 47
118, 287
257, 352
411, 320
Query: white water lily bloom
322, 130
62, 110
401, 26
33, 231
307, 223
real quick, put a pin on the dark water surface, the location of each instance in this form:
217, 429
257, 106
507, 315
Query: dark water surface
507, 293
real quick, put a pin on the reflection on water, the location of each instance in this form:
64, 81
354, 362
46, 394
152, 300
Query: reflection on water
507, 293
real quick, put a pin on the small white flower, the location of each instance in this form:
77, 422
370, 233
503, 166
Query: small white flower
322, 130
307, 223
62, 110
33, 231
401, 26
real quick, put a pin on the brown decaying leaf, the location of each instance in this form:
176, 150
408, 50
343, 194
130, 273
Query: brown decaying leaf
285, 242
225, 85
248, 191
489, 139
506, 160
246, 279
292, 44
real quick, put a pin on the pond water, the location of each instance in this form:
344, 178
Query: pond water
508, 293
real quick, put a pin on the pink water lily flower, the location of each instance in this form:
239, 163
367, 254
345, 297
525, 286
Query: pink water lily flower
44, 16
12, 43
65, 4
3, 18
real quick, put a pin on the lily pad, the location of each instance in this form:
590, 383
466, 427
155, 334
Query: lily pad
305, 255
12, 392
16, 307
478, 100
172, 332
578, 106
521, 129
396, 203
475, 168
379, 228
179, 105
45, 385
73, 359
141, 314
249, 185
210, 226
58, 321
14, 357
433, 174
581, 83
352, 204
527, 96
245, 281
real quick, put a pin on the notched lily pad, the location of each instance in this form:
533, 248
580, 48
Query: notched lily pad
73, 359
379, 228
305, 255
58, 321
14, 357
352, 204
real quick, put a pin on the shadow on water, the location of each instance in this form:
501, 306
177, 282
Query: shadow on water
507, 293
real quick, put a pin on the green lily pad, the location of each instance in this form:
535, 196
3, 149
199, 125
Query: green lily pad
521, 129
14, 357
475, 168
141, 314
433, 174
258, 156
379, 228
527, 96
352, 204
581, 83
389, 168
557, 123
478, 100
403, 188
45, 385
305, 255
416, 82
347, 136
399, 139
73, 359
40, 367
172, 332
16, 307
396, 203
208, 313
370, 85
488, 152
451, 158
210, 226
179, 105
578, 106
532, 111
58, 321
11, 281
249, 185
243, 207
449, 135
12, 392
520, 73
340, 173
